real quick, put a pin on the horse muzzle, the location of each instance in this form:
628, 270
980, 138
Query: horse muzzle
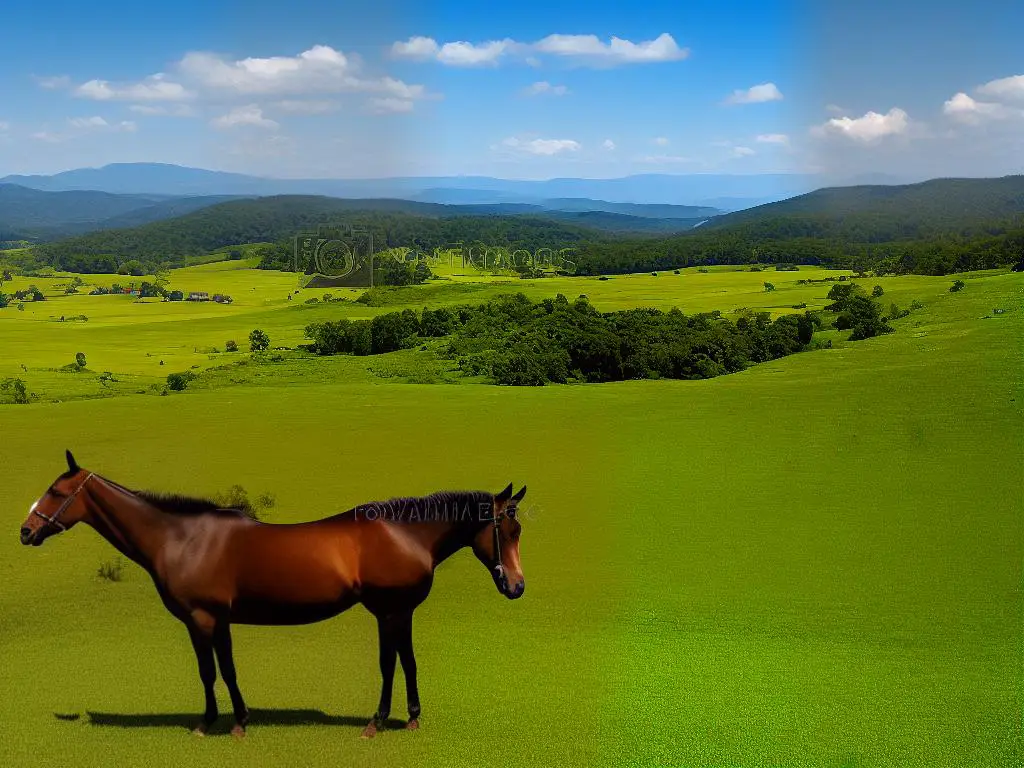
31, 538
514, 593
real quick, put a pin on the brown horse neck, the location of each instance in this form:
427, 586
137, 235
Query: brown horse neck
444, 539
134, 527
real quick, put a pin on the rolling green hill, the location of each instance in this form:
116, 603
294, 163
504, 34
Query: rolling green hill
873, 214
280, 219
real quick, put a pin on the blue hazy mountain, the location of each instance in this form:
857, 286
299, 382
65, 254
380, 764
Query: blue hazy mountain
174, 180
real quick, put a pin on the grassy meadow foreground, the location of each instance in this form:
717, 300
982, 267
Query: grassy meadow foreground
815, 562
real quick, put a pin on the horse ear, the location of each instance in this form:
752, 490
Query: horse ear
504, 495
519, 496
72, 464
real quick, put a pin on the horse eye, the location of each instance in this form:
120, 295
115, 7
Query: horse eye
511, 514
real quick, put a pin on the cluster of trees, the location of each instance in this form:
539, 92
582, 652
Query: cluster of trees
32, 293
857, 311
512, 340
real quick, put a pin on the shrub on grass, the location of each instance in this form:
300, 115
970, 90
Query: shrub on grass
17, 388
231, 345
112, 570
179, 381
958, 285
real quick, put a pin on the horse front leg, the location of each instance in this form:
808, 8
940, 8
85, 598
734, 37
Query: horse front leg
388, 658
405, 653
202, 644
226, 661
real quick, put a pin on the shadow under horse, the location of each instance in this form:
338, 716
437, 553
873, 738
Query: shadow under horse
216, 567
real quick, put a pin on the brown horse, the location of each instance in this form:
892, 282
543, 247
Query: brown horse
213, 567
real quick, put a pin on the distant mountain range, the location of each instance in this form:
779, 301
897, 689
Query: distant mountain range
37, 215
174, 180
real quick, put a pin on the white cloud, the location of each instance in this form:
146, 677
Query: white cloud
660, 141
390, 106
456, 54
213, 79
249, 115
755, 94
416, 48
543, 87
968, 110
1007, 88
543, 147
742, 152
608, 144
582, 49
868, 128
153, 88
321, 69
463, 54
834, 109
773, 138
617, 51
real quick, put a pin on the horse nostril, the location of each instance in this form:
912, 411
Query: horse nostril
26, 533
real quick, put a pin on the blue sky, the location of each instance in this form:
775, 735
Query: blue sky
530, 90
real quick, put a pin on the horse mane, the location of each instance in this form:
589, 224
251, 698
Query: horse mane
442, 505
189, 506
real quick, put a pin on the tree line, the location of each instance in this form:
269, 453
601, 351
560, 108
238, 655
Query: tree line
512, 340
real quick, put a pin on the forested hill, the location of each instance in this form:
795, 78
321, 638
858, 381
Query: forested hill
933, 228
876, 214
280, 219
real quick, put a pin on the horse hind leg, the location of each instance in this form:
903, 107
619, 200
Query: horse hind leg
226, 661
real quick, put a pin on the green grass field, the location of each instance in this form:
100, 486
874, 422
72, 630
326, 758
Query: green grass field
815, 562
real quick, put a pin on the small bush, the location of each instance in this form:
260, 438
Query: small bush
703, 270
915, 304
231, 345
768, 287
958, 285
80, 359
112, 570
877, 291
179, 381
18, 390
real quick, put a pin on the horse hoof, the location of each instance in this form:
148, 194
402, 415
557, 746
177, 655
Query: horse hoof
413, 725
369, 731
238, 732
199, 730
